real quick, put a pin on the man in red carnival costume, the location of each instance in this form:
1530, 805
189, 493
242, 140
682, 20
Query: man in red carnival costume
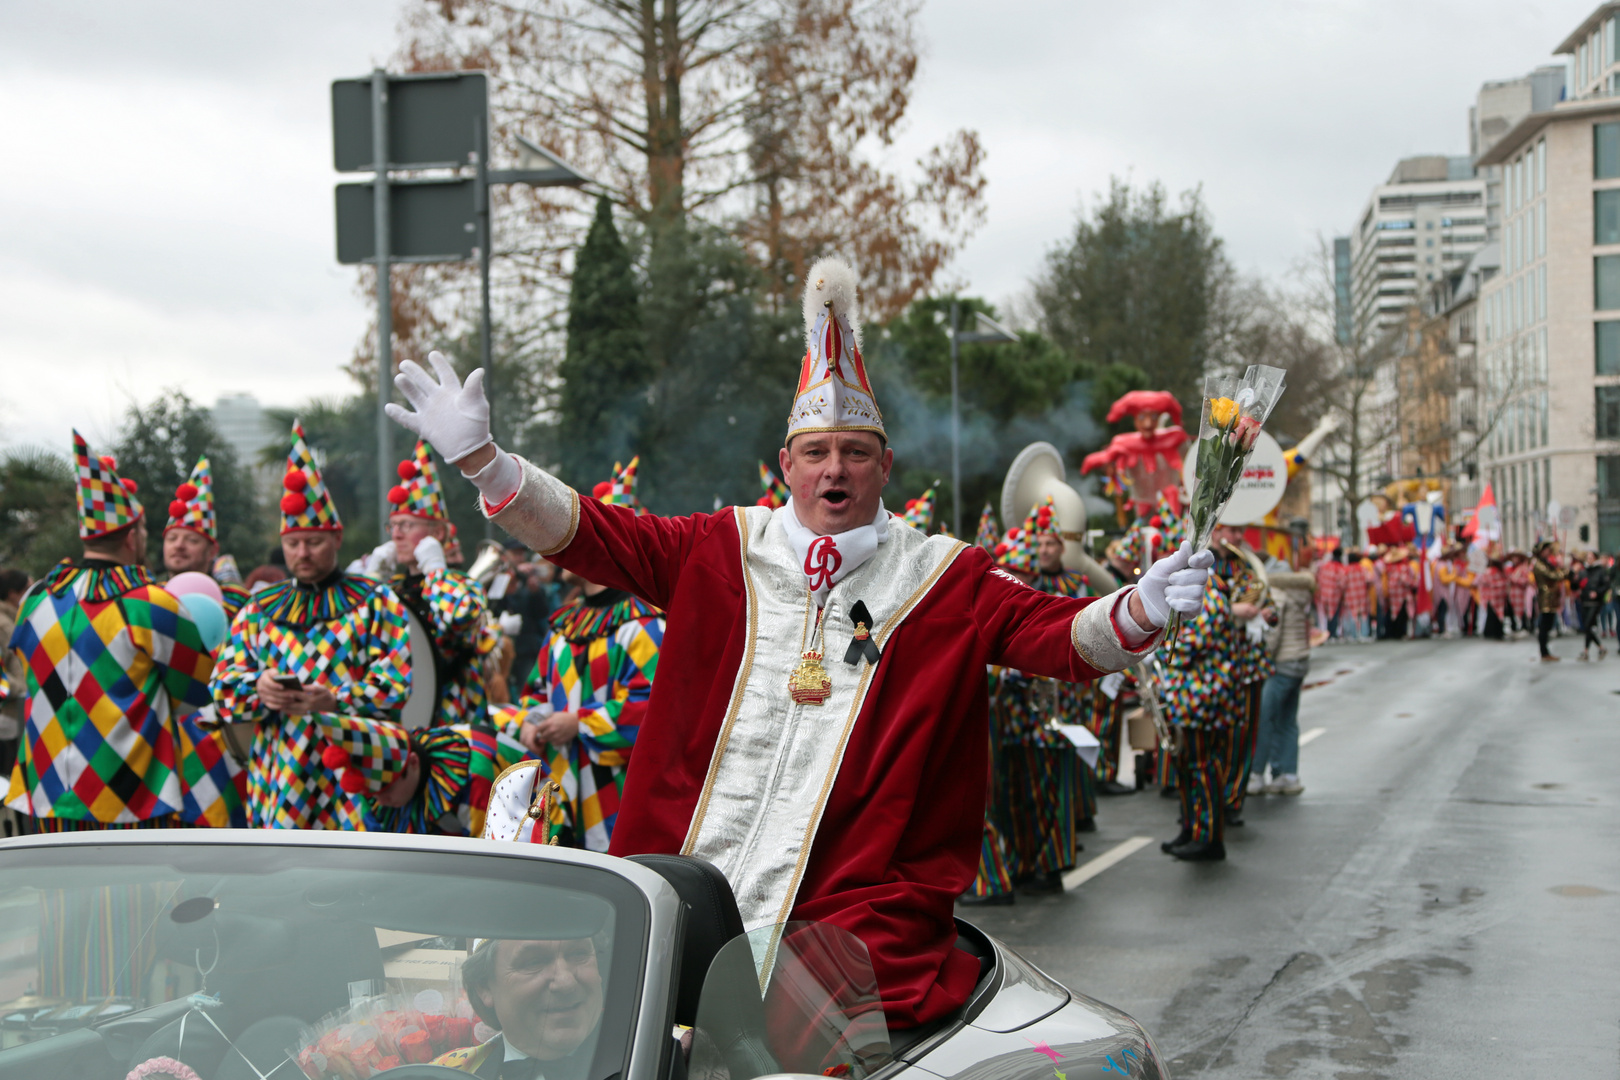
818, 728
1145, 462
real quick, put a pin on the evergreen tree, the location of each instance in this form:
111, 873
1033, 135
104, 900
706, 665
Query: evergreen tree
606, 369
157, 446
39, 515
1135, 288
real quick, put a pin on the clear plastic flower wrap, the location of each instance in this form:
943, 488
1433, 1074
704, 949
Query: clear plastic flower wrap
1234, 412
386, 1030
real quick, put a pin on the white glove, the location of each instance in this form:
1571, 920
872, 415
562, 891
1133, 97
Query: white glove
453, 417
511, 624
1176, 581
429, 554
380, 563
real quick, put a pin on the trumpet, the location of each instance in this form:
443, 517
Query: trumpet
483, 568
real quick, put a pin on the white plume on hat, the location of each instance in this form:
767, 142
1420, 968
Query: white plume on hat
833, 392
830, 279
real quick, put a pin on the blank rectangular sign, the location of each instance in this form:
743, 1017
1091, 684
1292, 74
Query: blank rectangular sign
429, 221
434, 121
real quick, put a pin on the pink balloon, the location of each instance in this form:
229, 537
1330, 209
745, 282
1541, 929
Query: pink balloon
193, 582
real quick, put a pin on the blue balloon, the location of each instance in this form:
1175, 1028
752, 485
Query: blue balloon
209, 616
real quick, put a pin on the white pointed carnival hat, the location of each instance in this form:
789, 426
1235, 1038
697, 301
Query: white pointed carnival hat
833, 393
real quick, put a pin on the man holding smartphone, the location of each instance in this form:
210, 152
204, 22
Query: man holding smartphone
321, 663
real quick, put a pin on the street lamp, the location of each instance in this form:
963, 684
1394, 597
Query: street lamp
986, 332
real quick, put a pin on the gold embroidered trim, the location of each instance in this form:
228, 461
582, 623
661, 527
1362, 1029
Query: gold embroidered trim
843, 743
1091, 661
573, 525
736, 691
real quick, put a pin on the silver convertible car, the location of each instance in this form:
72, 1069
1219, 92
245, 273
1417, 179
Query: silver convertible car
215, 955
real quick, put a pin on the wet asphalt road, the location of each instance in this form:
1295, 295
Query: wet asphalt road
1443, 901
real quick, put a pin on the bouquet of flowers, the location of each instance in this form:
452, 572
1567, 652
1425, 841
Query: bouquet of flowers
384, 1032
1234, 411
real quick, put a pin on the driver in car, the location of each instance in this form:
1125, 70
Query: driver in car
545, 1000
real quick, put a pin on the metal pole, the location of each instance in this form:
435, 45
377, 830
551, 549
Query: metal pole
485, 238
956, 429
385, 299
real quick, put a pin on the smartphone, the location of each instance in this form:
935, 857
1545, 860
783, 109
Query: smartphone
289, 682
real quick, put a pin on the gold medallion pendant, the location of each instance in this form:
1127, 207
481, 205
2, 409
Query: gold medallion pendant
809, 684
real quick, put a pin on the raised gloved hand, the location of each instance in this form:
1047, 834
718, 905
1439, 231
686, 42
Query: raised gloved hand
1175, 582
380, 563
429, 554
451, 416
511, 623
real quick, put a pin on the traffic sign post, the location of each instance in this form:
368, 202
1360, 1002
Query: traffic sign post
419, 122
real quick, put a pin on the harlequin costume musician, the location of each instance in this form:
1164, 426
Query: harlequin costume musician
112, 664
596, 674
452, 748
1146, 461
818, 726
191, 537
329, 742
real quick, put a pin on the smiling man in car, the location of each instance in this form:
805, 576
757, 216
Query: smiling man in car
817, 729
545, 999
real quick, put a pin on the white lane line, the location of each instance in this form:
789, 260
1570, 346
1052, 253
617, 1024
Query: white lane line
1308, 736
1116, 854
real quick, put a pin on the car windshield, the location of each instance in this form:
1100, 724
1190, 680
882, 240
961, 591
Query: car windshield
349, 961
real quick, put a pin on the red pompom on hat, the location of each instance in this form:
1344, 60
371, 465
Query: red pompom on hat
108, 462
293, 503
129, 485
1156, 521
397, 495
177, 509
601, 489
407, 470
334, 757
185, 492
295, 480
352, 781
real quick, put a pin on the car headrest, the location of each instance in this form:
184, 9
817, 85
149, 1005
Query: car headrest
712, 919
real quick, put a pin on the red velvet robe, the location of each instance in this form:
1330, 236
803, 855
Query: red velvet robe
899, 839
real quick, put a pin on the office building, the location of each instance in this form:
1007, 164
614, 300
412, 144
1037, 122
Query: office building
1550, 320
1422, 224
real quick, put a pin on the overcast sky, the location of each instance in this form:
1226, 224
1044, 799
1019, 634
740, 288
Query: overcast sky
166, 209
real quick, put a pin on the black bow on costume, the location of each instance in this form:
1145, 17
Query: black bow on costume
862, 645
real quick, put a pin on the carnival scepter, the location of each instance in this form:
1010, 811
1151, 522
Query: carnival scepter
1232, 417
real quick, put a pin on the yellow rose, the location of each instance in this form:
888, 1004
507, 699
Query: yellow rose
1222, 412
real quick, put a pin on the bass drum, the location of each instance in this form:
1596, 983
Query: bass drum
423, 704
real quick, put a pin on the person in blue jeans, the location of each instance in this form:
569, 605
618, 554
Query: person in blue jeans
1277, 744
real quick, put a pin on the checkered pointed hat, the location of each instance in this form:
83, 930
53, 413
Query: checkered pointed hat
193, 504
106, 503
919, 512
305, 502
621, 490
418, 492
776, 492
989, 535
1017, 550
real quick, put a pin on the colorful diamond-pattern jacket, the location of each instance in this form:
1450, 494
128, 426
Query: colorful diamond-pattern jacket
1075, 701
1201, 673
349, 635
456, 615
1251, 662
599, 661
112, 664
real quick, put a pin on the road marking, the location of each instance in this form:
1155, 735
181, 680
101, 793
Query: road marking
1116, 854
1314, 733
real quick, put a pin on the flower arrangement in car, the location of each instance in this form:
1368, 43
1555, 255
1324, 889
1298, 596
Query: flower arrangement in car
385, 1032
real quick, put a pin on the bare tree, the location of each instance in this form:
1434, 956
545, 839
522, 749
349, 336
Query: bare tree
765, 116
